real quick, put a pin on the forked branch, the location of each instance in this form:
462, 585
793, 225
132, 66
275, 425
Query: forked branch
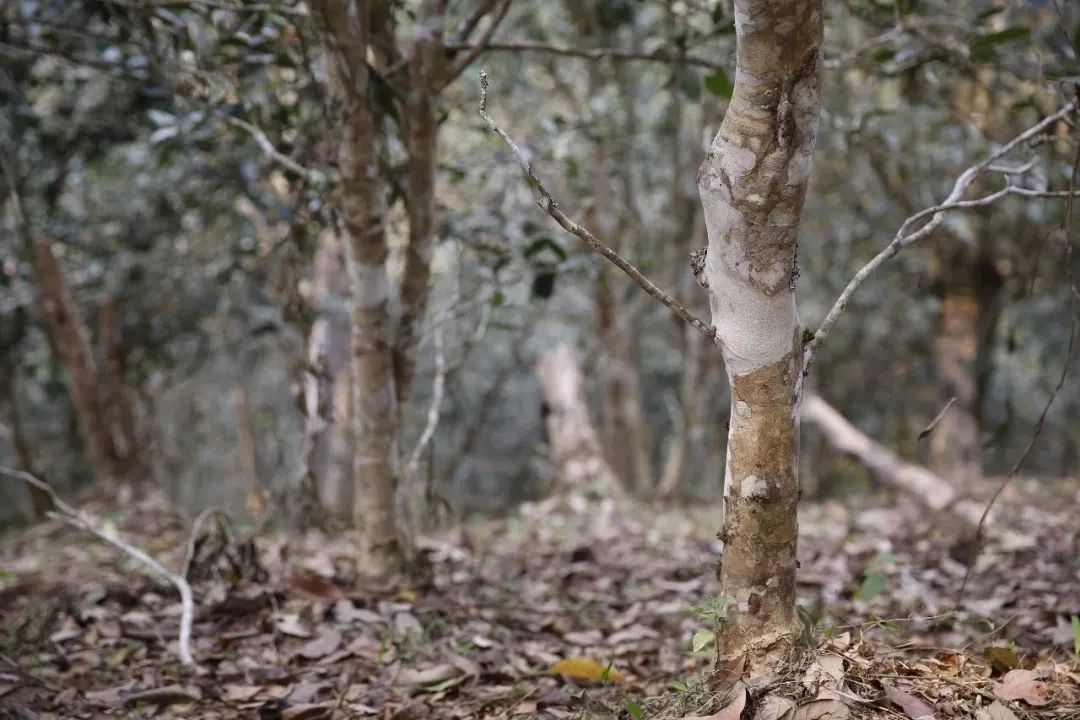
907, 236
551, 207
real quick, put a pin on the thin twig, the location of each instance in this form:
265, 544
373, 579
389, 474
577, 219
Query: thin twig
548, 204
937, 418
268, 148
590, 53
905, 236
1074, 295
79, 519
437, 391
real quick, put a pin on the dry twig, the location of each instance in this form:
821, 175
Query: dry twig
548, 204
79, 519
906, 236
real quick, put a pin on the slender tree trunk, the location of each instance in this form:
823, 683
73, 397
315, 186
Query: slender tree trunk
375, 411
326, 383
129, 451
576, 454
752, 186
626, 434
72, 341
39, 499
421, 142
955, 450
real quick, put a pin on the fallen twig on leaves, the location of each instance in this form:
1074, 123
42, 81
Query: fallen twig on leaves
79, 519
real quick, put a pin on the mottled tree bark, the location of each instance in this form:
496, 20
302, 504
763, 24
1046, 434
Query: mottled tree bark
326, 382
752, 187
375, 413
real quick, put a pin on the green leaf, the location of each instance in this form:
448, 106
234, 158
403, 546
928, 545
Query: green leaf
634, 709
873, 585
702, 639
1076, 635
606, 674
982, 48
688, 82
719, 84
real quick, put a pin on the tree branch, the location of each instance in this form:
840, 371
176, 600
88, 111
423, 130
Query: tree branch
548, 204
590, 53
905, 236
79, 519
472, 52
313, 176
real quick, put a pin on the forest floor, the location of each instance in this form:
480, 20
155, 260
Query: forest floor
283, 631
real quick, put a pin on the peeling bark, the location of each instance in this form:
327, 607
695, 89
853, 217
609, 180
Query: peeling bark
752, 186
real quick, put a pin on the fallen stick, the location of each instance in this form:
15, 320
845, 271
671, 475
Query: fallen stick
79, 519
888, 467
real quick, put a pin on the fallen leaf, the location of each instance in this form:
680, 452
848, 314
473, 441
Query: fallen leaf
168, 695
290, 624
428, 676
1001, 658
819, 710
1022, 685
731, 711
915, 708
583, 668
307, 712
240, 693
996, 711
327, 642
315, 587
773, 707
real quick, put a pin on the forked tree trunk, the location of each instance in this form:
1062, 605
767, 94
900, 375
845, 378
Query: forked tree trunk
576, 455
348, 27
71, 340
752, 186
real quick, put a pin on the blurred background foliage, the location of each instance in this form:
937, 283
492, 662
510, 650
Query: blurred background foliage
177, 157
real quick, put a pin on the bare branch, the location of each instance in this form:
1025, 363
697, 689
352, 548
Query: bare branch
593, 53
437, 391
481, 45
547, 202
79, 519
264, 143
906, 236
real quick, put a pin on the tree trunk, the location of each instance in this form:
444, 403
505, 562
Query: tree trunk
375, 411
576, 455
129, 451
326, 382
71, 341
626, 434
955, 450
421, 143
752, 186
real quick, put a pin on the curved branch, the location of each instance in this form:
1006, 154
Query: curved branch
547, 202
905, 236
79, 519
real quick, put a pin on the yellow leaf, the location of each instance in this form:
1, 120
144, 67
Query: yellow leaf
406, 594
583, 668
